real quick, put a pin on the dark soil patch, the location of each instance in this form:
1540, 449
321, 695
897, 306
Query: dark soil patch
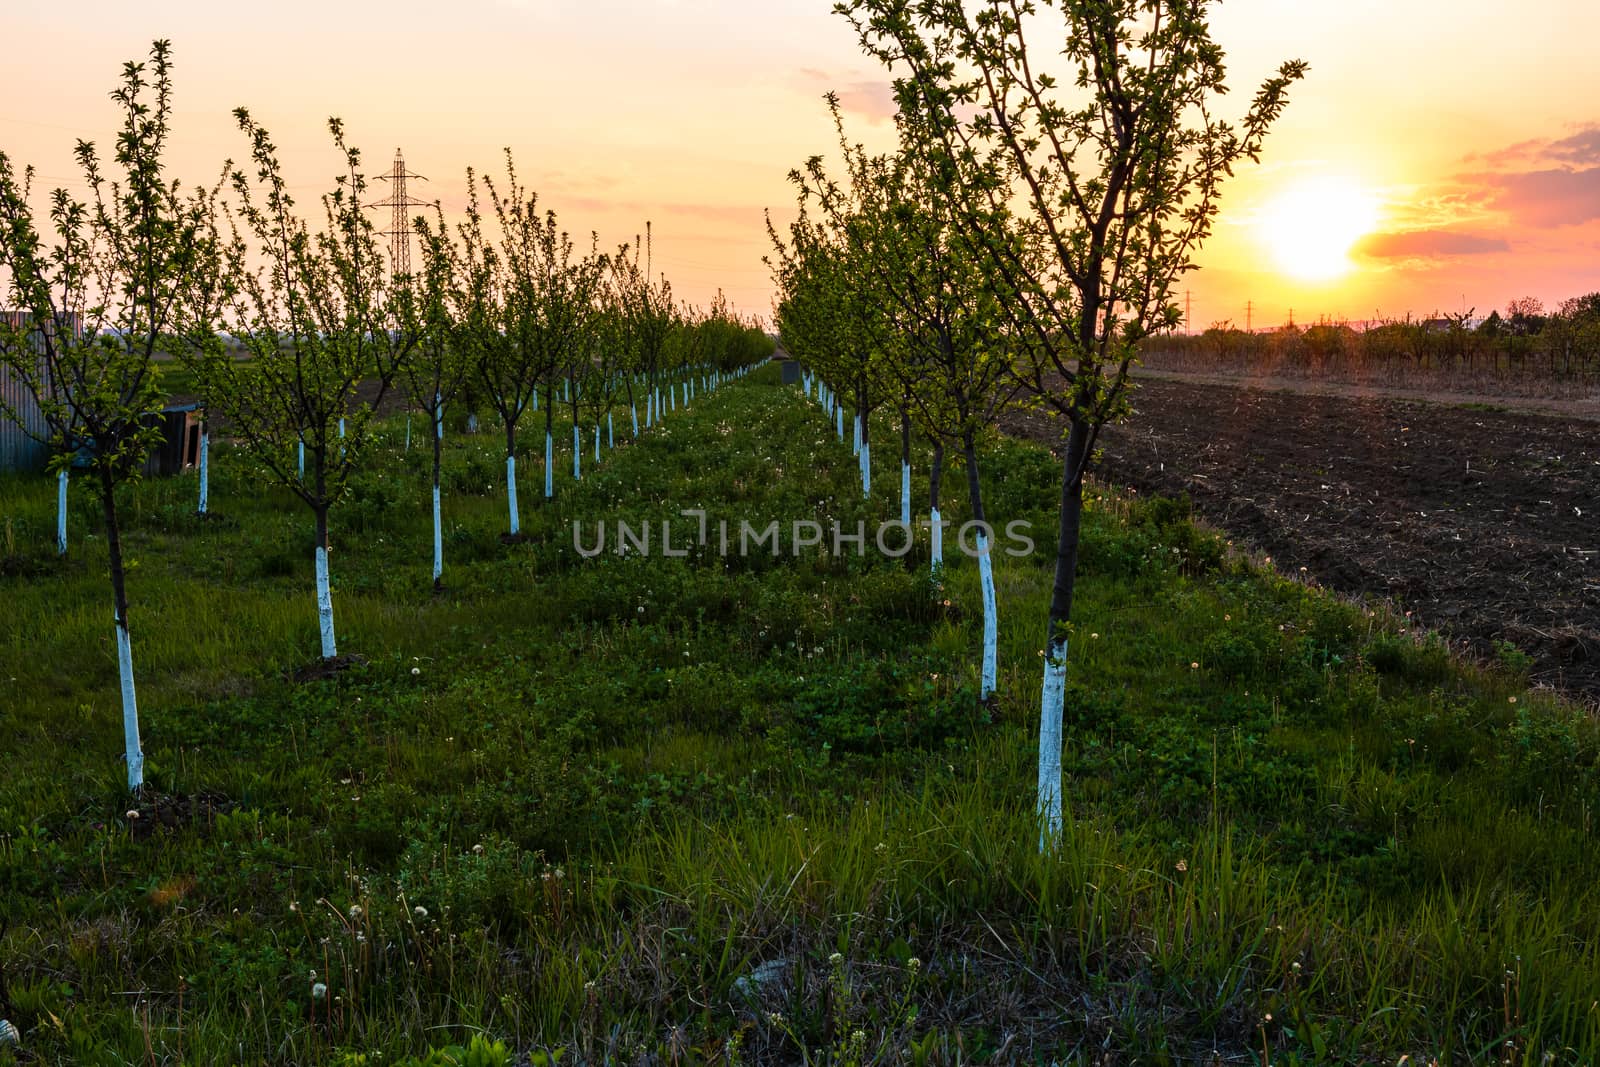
175, 813
328, 668
1485, 524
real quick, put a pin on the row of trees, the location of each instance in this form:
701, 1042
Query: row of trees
502, 310
1018, 246
1526, 344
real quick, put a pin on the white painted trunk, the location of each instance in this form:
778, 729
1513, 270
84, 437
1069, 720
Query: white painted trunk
855, 431
300, 462
511, 495
838, 422
905, 494
472, 421
408, 431
549, 465
611, 432
61, 512
1051, 701
438, 537
597, 442
991, 643
330, 647
936, 525
205, 472
866, 469
672, 397
130, 709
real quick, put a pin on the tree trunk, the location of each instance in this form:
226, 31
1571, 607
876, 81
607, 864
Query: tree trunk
935, 482
905, 468
61, 511
438, 519
511, 477
991, 632
133, 752
330, 646
1053, 694
205, 469
550, 443
864, 441
577, 440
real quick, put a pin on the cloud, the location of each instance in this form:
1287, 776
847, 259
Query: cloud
1543, 182
1429, 245
1581, 147
1547, 198
871, 98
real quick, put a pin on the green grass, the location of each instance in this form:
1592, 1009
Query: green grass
617, 787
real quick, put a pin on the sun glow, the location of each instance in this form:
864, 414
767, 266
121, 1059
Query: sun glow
1311, 226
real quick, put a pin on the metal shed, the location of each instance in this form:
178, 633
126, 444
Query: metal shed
20, 449
180, 440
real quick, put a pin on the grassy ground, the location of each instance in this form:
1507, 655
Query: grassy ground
743, 809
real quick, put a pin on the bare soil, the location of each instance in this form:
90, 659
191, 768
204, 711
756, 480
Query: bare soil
1483, 522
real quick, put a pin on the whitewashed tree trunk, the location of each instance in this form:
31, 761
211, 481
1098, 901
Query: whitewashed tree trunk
300, 461
936, 526
330, 647
438, 517
855, 431
511, 495
438, 537
408, 431
611, 432
633, 410
549, 465
577, 453
1051, 701
205, 471
991, 652
61, 512
597, 443
130, 709
905, 495
866, 468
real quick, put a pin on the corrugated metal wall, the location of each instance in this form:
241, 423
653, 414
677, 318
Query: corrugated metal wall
18, 448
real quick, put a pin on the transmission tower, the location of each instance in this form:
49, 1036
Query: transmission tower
399, 232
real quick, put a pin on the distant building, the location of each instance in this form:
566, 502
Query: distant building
20, 446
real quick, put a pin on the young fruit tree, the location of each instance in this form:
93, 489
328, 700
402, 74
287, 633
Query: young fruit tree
316, 314
1086, 177
948, 360
441, 364
568, 296
98, 299
492, 322
647, 317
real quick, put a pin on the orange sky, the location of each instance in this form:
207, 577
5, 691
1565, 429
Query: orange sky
1468, 128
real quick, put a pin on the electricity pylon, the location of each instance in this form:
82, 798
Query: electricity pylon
399, 232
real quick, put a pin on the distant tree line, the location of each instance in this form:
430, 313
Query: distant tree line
1527, 344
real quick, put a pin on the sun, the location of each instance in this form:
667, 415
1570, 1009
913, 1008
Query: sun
1311, 226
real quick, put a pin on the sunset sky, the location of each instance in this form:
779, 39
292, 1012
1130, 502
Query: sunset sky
1439, 156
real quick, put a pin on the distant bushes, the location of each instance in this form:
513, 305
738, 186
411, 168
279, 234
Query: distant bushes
1524, 346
